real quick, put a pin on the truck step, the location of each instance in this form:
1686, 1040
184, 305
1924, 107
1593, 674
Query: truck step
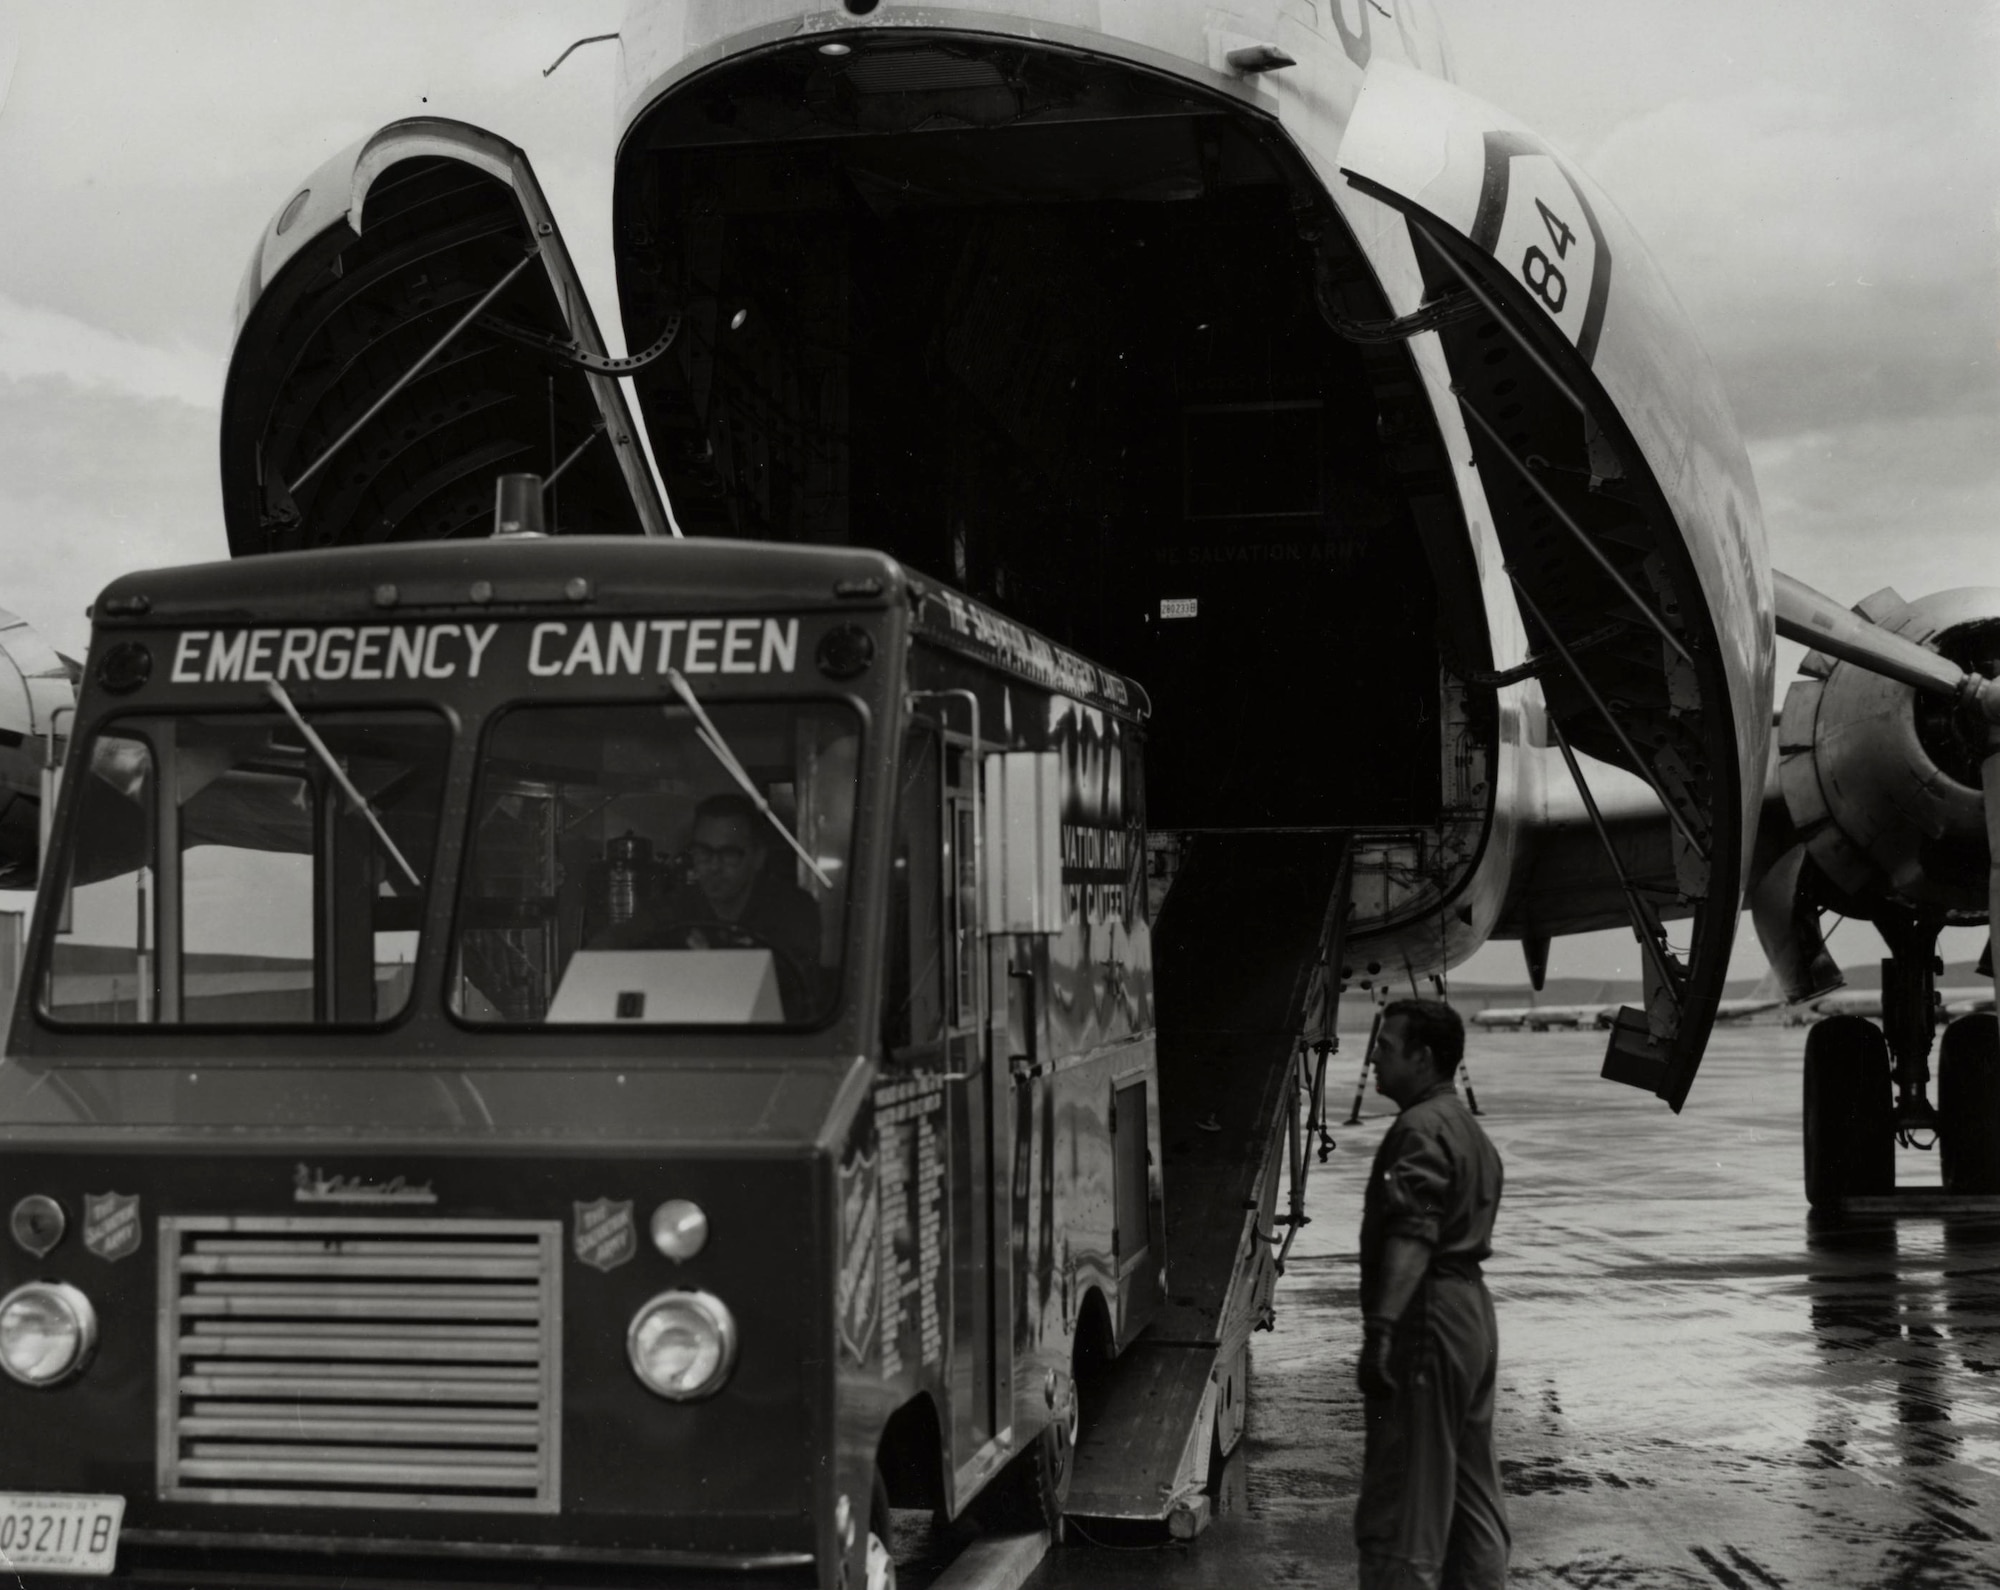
995, 1562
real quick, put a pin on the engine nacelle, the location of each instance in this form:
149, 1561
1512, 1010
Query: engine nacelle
1882, 785
37, 687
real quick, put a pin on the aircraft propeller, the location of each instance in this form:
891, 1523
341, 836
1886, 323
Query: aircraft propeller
1818, 621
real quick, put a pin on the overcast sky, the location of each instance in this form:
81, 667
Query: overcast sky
1819, 182
1819, 179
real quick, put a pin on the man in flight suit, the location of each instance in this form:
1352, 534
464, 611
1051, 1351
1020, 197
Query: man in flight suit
1430, 1513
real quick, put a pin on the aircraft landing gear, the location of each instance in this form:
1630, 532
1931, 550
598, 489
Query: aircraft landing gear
1969, 1105
1849, 1118
1853, 1125
1909, 1019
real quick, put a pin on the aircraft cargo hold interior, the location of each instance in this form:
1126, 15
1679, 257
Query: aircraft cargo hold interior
1048, 330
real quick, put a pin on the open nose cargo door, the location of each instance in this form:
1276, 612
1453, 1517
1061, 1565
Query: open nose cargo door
425, 255
1621, 496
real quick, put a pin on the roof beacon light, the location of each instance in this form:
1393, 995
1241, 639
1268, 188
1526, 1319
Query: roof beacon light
517, 506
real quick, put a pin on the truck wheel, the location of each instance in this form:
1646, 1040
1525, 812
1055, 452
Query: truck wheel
1850, 1137
1030, 1492
1969, 1106
879, 1570
1235, 1395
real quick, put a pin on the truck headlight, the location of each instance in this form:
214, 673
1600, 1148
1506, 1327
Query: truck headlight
48, 1331
682, 1345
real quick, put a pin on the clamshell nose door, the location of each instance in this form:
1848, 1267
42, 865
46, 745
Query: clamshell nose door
411, 326
1620, 492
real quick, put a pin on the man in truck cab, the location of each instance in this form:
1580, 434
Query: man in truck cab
736, 897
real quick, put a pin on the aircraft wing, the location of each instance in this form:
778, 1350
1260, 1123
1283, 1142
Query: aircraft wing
37, 689
1563, 882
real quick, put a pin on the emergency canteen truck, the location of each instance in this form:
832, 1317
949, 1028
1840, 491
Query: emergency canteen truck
384, 1203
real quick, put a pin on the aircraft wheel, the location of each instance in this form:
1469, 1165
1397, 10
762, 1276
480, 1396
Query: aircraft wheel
1850, 1140
1030, 1492
1969, 1105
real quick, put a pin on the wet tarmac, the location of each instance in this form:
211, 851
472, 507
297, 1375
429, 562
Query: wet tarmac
1699, 1386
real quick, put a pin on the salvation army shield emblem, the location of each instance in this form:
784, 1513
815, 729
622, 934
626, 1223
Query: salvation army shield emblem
860, 1284
111, 1224
605, 1236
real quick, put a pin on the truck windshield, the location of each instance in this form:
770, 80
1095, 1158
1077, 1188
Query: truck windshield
619, 874
219, 874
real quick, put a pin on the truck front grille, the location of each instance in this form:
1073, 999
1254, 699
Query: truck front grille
357, 1362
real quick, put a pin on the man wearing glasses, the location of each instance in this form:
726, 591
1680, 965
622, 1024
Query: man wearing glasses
735, 900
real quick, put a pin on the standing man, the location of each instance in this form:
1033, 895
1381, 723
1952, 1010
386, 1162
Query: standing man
1430, 1512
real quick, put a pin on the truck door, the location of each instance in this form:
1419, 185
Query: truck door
940, 1016
973, 1111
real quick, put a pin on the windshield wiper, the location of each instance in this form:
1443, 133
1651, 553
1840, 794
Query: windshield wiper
719, 748
355, 798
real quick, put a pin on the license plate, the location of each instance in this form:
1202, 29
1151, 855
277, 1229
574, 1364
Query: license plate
51, 1533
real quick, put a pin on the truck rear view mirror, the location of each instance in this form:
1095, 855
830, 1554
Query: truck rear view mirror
1024, 842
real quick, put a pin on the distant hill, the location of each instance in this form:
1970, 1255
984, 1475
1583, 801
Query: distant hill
1469, 997
111, 958
1956, 974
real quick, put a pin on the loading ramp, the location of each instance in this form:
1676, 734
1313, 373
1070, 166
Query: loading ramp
1244, 952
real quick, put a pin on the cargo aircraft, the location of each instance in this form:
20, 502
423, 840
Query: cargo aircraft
1235, 346
1540, 1018
1744, 1009
1963, 1001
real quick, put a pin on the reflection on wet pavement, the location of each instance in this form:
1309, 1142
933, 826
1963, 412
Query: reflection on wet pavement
1699, 1386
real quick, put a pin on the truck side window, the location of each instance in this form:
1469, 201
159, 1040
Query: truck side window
915, 1004
101, 969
